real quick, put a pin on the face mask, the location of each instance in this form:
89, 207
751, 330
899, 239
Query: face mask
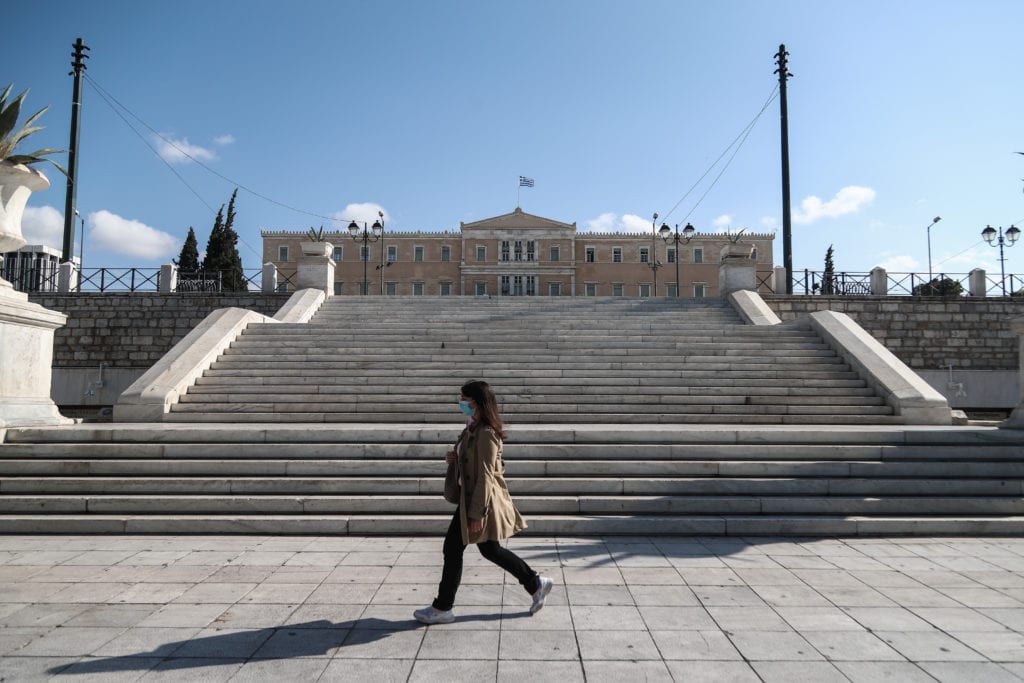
464, 407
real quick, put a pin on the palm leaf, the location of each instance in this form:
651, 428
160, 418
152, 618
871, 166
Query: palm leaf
36, 159
7, 91
9, 115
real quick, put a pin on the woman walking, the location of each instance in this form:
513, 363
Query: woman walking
485, 514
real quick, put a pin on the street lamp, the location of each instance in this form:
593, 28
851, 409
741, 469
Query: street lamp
989, 235
383, 263
929, 229
666, 234
653, 261
366, 238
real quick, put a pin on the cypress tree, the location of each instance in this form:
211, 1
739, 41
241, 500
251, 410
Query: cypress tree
828, 285
222, 251
188, 260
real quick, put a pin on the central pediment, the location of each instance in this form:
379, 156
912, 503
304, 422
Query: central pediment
518, 220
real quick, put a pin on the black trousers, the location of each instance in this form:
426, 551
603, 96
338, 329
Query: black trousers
451, 575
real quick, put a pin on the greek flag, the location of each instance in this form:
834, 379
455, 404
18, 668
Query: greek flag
525, 182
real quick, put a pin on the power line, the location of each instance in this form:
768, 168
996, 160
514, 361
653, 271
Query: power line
185, 153
741, 138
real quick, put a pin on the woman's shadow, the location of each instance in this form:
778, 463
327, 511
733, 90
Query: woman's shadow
309, 639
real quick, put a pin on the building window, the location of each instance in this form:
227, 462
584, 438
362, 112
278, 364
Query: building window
591, 255
753, 253
446, 289
481, 253
446, 254
282, 287
591, 289
392, 253
670, 254
645, 255
531, 250
337, 289
364, 253
417, 289
417, 254
338, 255
282, 253
616, 254
518, 250
554, 253
698, 290
672, 290
506, 285
505, 246
698, 255
554, 289
645, 290
617, 289
531, 285
363, 286
481, 289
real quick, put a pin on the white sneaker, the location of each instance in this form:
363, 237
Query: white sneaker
542, 592
429, 615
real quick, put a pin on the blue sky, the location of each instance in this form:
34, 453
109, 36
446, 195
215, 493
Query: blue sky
899, 112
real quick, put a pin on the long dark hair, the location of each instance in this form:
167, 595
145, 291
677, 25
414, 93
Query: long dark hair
487, 405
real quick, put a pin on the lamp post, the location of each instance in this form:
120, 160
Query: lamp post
929, 230
383, 262
366, 238
989, 235
654, 261
666, 234
81, 248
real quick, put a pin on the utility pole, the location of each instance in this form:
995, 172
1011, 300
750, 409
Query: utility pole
787, 221
76, 105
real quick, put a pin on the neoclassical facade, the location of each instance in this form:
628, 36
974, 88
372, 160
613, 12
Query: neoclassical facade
519, 254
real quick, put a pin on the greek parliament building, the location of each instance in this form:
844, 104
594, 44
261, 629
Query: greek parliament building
517, 254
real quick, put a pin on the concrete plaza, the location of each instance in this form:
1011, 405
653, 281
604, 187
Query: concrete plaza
215, 608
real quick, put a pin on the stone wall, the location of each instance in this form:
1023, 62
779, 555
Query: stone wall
126, 330
969, 334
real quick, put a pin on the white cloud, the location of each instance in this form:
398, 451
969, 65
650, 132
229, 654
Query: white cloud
769, 223
611, 222
850, 199
723, 221
178, 151
130, 237
366, 212
43, 225
226, 139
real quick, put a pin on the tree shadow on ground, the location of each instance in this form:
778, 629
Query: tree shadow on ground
309, 639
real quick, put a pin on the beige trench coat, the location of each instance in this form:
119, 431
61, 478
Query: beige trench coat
484, 493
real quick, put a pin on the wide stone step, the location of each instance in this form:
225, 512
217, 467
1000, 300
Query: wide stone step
499, 376
522, 486
587, 505
507, 355
539, 525
526, 365
706, 384
557, 403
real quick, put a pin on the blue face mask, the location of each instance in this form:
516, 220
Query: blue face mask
464, 407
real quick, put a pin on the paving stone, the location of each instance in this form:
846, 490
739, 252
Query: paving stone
928, 646
69, 641
374, 643
199, 670
457, 671
224, 643
343, 669
604, 618
701, 645
958, 619
818, 619
302, 669
552, 617
676, 618
734, 596
35, 668
850, 646
287, 643
455, 644
146, 642
773, 646
1004, 646
515, 671
541, 645
874, 672
719, 672
617, 645
757, 618
40, 615
599, 595
101, 669
797, 672
888, 619
969, 672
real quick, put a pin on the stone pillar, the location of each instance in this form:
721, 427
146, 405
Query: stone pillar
879, 281
316, 267
1016, 419
978, 281
738, 271
779, 280
168, 278
67, 277
269, 283
26, 360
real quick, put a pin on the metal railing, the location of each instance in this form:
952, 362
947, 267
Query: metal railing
27, 276
101, 280
813, 282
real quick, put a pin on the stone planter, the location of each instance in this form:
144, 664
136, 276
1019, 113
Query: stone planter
17, 182
735, 251
316, 248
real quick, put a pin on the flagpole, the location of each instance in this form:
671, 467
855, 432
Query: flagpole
519, 186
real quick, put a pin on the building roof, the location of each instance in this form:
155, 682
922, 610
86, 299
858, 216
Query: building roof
518, 219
